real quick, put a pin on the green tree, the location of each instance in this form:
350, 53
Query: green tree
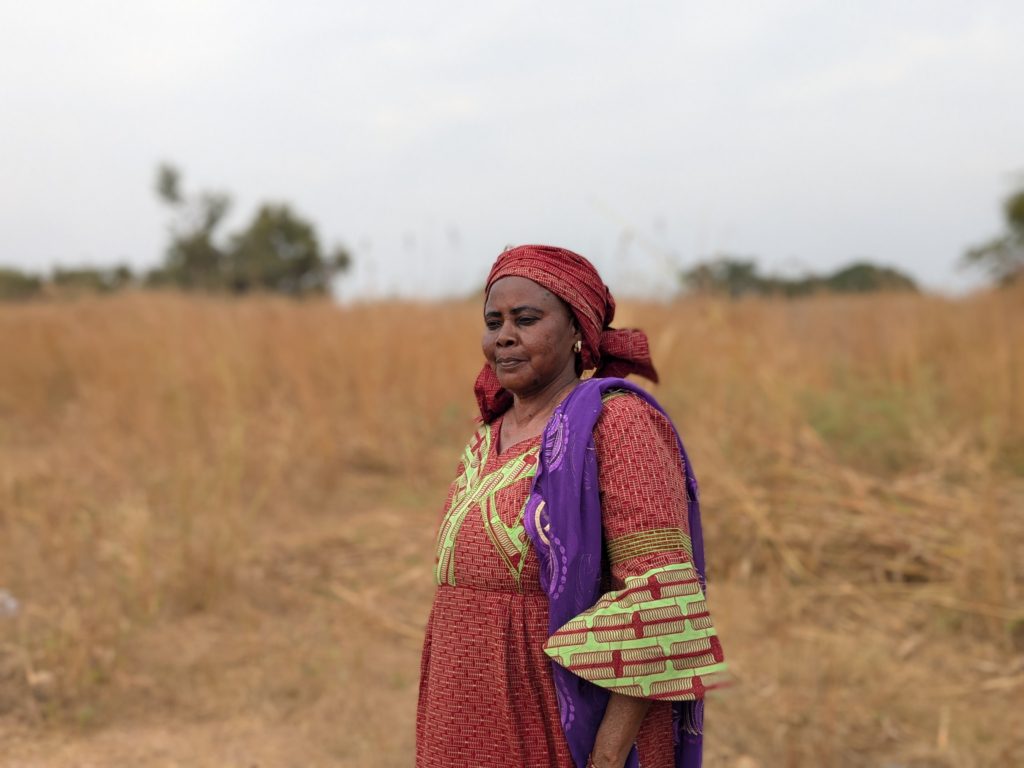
279, 251
193, 259
1003, 256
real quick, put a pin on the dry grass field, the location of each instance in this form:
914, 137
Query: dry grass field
217, 520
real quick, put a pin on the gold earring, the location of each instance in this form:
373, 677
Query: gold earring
577, 347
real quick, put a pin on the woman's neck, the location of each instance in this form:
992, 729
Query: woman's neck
529, 409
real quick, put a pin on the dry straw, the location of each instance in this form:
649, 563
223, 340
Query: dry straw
186, 483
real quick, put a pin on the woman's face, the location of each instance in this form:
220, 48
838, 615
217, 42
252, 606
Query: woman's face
529, 336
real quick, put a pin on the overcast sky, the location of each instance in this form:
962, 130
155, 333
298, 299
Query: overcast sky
426, 136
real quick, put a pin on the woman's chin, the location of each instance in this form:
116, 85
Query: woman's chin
513, 382
509, 383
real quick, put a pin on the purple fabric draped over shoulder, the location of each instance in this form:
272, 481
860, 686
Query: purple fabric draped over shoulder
563, 520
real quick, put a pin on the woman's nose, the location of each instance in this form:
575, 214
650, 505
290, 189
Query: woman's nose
506, 336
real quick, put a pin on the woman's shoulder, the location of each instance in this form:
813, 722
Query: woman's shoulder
626, 412
634, 439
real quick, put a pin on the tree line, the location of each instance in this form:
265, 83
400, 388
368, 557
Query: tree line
1002, 258
736, 277
279, 251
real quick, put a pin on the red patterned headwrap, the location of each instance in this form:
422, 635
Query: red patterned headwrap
574, 280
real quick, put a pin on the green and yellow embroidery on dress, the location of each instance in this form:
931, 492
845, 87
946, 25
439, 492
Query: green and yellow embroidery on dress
510, 540
473, 488
652, 639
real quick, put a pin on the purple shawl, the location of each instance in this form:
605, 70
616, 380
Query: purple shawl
563, 520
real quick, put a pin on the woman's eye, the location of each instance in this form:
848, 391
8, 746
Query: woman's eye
527, 320
492, 325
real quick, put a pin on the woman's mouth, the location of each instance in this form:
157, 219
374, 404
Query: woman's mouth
507, 363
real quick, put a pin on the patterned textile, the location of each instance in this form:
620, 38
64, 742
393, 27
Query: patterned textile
653, 639
573, 279
474, 489
487, 692
561, 519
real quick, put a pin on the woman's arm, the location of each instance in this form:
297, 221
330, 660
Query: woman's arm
644, 520
627, 430
618, 730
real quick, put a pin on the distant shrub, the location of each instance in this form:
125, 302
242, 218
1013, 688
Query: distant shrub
735, 277
863, 276
91, 279
16, 285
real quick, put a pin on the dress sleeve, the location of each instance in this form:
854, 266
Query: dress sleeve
650, 635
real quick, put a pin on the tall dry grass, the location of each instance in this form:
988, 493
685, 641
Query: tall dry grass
861, 461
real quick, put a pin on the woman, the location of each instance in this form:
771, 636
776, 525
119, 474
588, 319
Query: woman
569, 627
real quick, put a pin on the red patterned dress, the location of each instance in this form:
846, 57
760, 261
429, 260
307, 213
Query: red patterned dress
486, 694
